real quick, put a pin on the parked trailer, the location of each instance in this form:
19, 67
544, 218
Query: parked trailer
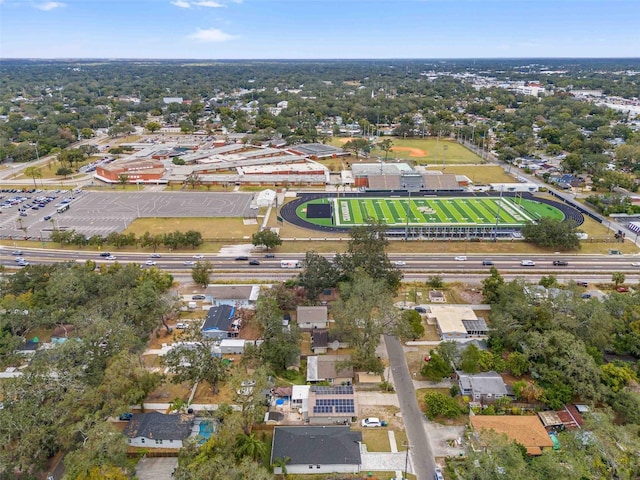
290, 264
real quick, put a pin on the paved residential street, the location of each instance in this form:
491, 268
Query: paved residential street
422, 457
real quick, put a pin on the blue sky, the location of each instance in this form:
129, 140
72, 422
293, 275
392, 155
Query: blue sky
257, 29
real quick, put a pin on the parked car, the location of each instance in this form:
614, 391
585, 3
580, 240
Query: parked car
181, 326
125, 417
581, 283
560, 263
487, 262
622, 289
254, 262
420, 309
47, 218
198, 297
371, 422
461, 258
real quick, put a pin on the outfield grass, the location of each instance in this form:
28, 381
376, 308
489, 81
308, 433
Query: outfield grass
422, 151
478, 174
464, 211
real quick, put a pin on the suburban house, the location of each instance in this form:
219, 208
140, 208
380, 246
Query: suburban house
323, 368
482, 387
331, 405
157, 430
322, 449
220, 323
525, 430
239, 296
312, 317
456, 322
323, 339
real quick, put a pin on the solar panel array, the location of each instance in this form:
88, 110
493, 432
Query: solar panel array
337, 390
334, 405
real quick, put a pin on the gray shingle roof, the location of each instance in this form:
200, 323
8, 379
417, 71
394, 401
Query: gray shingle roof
325, 445
219, 318
158, 426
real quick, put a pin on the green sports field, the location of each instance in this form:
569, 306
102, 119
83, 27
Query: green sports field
432, 211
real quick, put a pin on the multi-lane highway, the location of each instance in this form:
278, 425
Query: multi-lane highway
414, 266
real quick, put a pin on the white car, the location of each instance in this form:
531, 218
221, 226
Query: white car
155, 255
528, 263
181, 326
197, 256
150, 263
399, 263
461, 258
635, 264
189, 263
371, 422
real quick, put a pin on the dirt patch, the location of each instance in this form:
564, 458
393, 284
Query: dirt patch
413, 152
470, 295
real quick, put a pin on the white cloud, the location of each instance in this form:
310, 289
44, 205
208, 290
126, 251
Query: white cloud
211, 35
208, 3
181, 4
50, 6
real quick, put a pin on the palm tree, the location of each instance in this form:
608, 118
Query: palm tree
250, 446
33, 172
282, 464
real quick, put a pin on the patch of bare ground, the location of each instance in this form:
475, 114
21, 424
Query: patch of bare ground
167, 392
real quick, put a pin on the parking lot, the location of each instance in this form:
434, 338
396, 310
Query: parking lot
100, 213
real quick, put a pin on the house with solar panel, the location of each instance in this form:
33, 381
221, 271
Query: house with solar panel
331, 405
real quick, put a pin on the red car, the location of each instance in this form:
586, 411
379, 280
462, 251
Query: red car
622, 289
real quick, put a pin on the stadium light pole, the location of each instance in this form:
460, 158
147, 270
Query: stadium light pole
495, 231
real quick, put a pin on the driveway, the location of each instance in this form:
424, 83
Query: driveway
377, 398
151, 468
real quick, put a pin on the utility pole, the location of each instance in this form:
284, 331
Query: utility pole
406, 459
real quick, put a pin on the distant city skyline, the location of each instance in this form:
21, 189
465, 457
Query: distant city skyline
319, 29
